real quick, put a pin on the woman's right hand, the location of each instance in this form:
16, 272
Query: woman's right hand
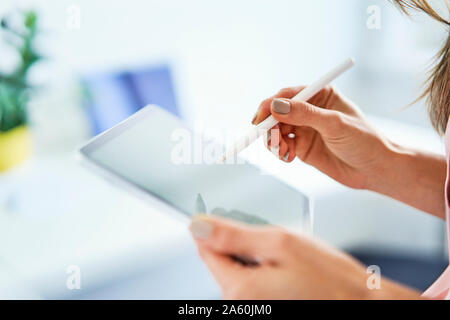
330, 133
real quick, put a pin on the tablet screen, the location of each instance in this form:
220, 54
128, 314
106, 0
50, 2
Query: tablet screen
141, 150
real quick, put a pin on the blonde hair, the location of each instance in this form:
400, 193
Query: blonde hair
437, 90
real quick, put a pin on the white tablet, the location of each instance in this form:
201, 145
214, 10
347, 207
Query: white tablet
138, 154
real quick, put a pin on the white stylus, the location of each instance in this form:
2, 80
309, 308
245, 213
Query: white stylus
304, 95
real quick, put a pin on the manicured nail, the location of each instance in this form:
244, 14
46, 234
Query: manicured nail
281, 106
286, 157
201, 229
256, 116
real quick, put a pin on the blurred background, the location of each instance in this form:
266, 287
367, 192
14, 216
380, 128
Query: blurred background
90, 64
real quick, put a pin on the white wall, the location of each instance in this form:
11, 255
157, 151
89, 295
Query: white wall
229, 55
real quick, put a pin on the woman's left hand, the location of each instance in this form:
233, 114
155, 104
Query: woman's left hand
291, 266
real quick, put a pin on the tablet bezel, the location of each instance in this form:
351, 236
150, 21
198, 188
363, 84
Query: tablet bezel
117, 179
136, 190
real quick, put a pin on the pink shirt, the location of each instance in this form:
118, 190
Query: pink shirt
441, 288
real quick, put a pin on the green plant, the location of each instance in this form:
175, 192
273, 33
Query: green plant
14, 87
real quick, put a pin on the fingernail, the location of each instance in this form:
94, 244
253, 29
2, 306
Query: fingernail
201, 229
281, 106
286, 157
256, 116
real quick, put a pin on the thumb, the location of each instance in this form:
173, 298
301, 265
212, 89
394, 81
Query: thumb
232, 238
299, 113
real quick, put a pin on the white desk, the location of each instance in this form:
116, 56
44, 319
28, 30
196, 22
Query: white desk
57, 214
54, 213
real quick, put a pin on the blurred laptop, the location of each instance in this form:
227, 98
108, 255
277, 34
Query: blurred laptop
113, 96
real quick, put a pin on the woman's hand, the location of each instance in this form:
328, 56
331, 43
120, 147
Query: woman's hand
331, 134
290, 266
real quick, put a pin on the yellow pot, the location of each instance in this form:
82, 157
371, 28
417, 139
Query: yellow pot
15, 147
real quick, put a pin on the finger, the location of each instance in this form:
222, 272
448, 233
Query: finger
273, 137
233, 238
322, 98
275, 143
331, 98
264, 108
290, 154
305, 114
283, 148
285, 129
278, 147
223, 268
